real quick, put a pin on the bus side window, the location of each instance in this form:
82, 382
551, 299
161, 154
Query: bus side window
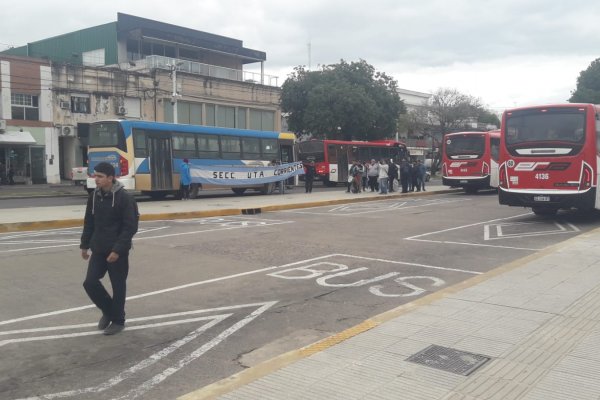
269, 149
208, 146
231, 148
139, 143
331, 150
495, 149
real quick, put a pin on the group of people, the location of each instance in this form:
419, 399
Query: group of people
383, 176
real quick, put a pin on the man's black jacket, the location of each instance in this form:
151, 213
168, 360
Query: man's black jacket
111, 220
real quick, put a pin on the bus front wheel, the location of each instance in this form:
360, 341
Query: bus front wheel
329, 183
544, 211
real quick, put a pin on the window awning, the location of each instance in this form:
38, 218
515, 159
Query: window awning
16, 138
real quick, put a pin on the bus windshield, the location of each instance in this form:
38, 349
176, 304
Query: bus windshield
106, 134
465, 145
545, 127
311, 151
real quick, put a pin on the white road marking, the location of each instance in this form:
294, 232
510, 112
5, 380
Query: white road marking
238, 225
154, 358
97, 332
477, 244
171, 289
352, 210
417, 237
129, 320
501, 235
403, 281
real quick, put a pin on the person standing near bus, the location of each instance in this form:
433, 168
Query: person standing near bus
383, 177
309, 176
185, 179
373, 175
111, 220
421, 172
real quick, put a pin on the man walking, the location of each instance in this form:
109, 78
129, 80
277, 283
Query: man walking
309, 176
111, 220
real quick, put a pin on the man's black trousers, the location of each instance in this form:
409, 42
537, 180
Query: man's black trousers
113, 307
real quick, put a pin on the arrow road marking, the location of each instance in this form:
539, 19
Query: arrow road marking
154, 358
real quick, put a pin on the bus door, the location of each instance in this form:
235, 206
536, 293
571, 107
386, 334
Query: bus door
342, 163
287, 156
494, 161
160, 159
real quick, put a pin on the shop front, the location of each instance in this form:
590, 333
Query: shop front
21, 160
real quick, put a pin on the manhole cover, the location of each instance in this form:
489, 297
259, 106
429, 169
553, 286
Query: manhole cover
447, 359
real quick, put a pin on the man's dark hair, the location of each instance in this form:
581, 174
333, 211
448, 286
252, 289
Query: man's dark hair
105, 168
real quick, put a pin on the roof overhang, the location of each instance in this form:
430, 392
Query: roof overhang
16, 138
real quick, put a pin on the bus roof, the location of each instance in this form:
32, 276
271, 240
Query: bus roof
184, 128
561, 105
383, 142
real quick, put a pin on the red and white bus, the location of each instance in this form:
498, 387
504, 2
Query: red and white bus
333, 157
549, 157
470, 160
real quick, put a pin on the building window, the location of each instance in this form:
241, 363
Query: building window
80, 105
24, 107
94, 58
241, 118
261, 120
226, 116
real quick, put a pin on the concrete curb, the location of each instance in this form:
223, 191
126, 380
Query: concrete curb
267, 367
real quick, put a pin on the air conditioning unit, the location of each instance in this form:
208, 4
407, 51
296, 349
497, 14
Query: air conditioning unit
64, 104
67, 131
2, 125
121, 110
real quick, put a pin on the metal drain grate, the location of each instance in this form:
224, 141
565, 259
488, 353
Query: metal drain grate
448, 359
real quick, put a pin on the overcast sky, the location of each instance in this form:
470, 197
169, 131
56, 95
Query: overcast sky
507, 53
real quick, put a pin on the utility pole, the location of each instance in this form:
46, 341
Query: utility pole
175, 95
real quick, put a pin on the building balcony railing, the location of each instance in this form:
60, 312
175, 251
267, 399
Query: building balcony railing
214, 71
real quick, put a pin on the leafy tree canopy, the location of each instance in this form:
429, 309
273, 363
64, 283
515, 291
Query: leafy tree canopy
488, 117
349, 101
588, 85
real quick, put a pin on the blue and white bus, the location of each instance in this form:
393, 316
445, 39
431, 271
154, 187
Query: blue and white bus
147, 155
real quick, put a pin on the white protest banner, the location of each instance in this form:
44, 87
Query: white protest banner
233, 175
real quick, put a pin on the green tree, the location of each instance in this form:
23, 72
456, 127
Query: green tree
488, 117
342, 101
588, 85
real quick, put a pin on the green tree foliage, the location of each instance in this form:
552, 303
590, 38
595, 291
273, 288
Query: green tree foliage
488, 117
349, 101
588, 85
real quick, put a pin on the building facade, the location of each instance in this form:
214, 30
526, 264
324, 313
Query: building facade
28, 147
133, 68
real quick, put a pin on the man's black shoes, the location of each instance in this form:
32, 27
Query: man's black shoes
103, 323
113, 329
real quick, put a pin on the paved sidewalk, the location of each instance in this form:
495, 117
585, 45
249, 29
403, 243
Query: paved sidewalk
13, 219
537, 319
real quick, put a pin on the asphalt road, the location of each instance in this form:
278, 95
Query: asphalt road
210, 297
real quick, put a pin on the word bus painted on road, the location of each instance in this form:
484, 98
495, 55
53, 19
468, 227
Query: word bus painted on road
470, 160
333, 158
549, 157
148, 155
